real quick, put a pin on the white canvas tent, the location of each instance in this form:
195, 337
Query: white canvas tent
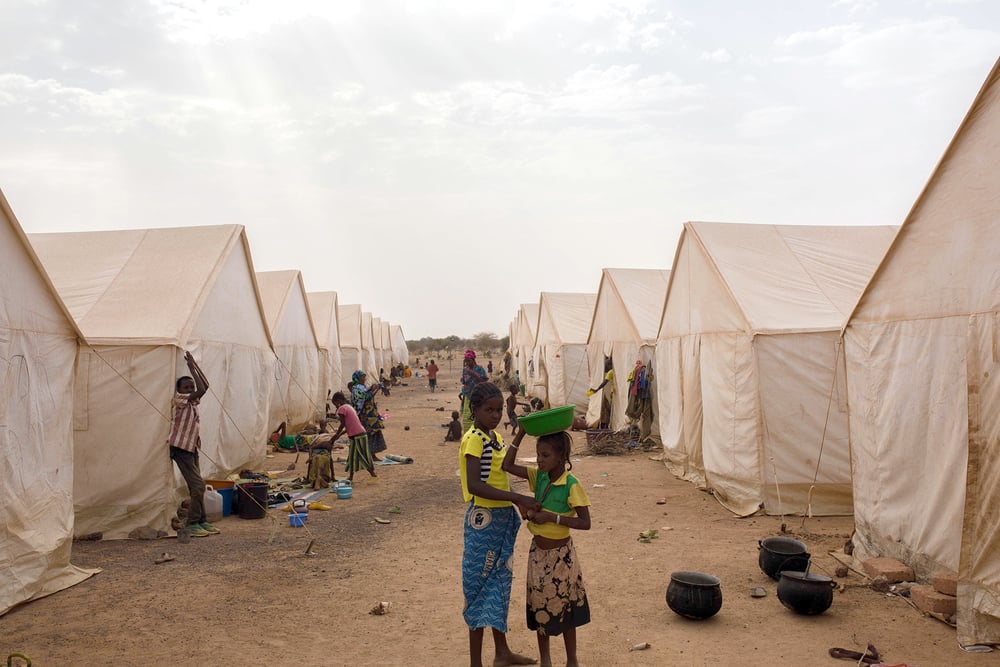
370, 363
351, 351
749, 366
924, 380
522, 341
626, 320
296, 373
560, 350
38, 343
324, 309
378, 346
386, 341
400, 350
141, 298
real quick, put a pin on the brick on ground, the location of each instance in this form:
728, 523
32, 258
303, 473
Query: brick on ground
945, 582
893, 570
929, 600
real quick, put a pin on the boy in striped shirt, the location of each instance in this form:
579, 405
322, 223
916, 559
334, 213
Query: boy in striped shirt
184, 441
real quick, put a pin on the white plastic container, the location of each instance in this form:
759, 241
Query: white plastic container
213, 504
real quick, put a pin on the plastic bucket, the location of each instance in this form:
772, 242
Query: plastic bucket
227, 501
252, 500
297, 520
212, 504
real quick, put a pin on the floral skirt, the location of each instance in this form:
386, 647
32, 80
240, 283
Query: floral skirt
556, 598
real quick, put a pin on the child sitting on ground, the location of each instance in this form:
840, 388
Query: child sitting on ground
454, 433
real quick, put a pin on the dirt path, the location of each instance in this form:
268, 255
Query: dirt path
234, 599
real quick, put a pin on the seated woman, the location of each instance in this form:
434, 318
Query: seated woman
320, 462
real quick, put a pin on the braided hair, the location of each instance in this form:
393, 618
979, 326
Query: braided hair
561, 443
483, 392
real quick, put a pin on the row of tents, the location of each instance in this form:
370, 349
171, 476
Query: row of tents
822, 370
93, 329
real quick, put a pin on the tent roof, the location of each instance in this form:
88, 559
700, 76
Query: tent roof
634, 302
349, 323
276, 287
26, 249
787, 277
950, 236
326, 318
139, 285
564, 317
526, 321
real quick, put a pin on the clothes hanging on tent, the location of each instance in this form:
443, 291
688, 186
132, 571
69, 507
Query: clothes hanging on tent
640, 405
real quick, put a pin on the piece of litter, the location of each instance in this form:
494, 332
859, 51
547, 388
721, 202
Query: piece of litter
396, 509
381, 609
661, 501
758, 592
164, 558
639, 647
576, 459
381, 520
605, 474
599, 486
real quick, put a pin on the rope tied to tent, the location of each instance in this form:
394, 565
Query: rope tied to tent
826, 423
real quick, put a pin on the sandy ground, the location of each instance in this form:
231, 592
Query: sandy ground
236, 599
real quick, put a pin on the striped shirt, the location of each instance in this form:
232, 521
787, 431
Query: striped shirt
490, 452
184, 427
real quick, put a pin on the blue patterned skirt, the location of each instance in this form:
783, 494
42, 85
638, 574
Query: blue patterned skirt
487, 572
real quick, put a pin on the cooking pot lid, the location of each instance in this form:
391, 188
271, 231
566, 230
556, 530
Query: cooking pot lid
803, 576
695, 578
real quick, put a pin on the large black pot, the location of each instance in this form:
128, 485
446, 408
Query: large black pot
778, 554
694, 594
805, 593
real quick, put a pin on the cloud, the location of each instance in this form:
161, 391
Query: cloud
908, 54
855, 7
768, 120
717, 56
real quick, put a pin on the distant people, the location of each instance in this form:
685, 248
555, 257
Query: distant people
184, 441
506, 362
472, 374
432, 376
454, 433
512, 404
358, 452
608, 397
363, 402
489, 367
320, 462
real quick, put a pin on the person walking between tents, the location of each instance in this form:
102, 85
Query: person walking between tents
608, 397
472, 374
184, 441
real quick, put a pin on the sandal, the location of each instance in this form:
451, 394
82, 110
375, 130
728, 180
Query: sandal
869, 657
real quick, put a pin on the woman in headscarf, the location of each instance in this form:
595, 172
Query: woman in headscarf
472, 374
363, 402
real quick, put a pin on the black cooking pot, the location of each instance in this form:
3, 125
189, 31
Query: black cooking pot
805, 593
694, 594
778, 554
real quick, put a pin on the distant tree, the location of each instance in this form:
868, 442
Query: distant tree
485, 340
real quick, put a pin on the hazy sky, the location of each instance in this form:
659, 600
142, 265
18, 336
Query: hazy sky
478, 152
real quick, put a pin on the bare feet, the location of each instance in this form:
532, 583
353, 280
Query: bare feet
504, 659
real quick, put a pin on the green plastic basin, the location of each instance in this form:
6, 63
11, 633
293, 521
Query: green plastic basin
548, 421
